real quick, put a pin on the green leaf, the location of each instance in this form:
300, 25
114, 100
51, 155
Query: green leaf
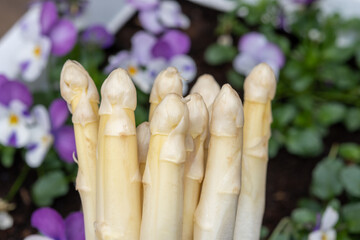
309, 204
284, 114
304, 142
235, 79
350, 177
325, 179
351, 214
303, 216
350, 151
48, 187
7, 156
274, 146
264, 232
218, 54
302, 82
352, 119
331, 113
141, 115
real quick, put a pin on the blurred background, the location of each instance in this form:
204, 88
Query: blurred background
313, 181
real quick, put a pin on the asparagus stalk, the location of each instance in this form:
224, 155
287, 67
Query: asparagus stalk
143, 139
79, 91
194, 166
216, 212
168, 81
259, 87
164, 171
119, 180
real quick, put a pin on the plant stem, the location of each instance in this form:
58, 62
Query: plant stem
333, 151
282, 225
18, 183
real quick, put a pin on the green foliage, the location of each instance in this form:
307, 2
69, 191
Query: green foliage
48, 187
218, 54
7, 156
350, 151
351, 213
350, 178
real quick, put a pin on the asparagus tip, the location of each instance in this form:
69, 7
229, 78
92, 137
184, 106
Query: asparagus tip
198, 115
207, 87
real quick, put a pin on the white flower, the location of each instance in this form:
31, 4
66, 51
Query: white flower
347, 9
14, 124
41, 137
37, 237
6, 221
326, 231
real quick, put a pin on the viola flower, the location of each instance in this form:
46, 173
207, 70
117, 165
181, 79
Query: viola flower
53, 227
97, 35
61, 32
158, 16
254, 49
6, 220
49, 129
326, 230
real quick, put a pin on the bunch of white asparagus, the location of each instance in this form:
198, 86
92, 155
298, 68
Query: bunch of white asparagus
196, 170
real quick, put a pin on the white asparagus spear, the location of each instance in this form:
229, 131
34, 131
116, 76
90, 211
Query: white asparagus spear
118, 202
259, 88
143, 139
164, 171
194, 166
79, 91
168, 81
216, 212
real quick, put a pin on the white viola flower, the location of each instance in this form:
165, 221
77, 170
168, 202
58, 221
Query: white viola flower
6, 221
347, 9
326, 230
14, 124
41, 138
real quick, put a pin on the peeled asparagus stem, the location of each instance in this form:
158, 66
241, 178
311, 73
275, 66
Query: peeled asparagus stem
259, 89
194, 166
79, 91
164, 171
143, 139
216, 212
168, 81
118, 202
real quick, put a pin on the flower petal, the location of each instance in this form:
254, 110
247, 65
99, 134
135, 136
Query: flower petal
315, 235
49, 222
15, 90
329, 219
74, 225
185, 65
272, 55
180, 42
149, 20
171, 16
42, 117
143, 4
59, 112
244, 63
3, 79
36, 153
65, 143
37, 237
141, 44
121, 59
99, 35
48, 16
63, 37
251, 43
330, 234
162, 49
6, 221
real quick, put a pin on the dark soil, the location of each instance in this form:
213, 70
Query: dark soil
288, 176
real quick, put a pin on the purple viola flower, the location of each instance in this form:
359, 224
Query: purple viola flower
254, 49
172, 43
61, 32
14, 90
53, 227
304, 2
98, 35
160, 16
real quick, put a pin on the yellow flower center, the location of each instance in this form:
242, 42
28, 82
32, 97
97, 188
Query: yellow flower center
13, 120
46, 139
37, 51
132, 70
324, 237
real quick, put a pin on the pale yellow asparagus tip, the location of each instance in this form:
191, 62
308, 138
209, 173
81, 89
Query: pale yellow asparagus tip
216, 212
260, 84
164, 171
207, 87
143, 139
168, 81
79, 91
118, 202
194, 166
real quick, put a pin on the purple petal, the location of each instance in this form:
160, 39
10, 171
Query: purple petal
244, 63
97, 34
48, 16
252, 42
179, 41
272, 55
143, 4
63, 37
12, 141
49, 222
65, 143
15, 90
162, 49
117, 60
3, 79
149, 20
304, 2
74, 224
58, 113
141, 44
